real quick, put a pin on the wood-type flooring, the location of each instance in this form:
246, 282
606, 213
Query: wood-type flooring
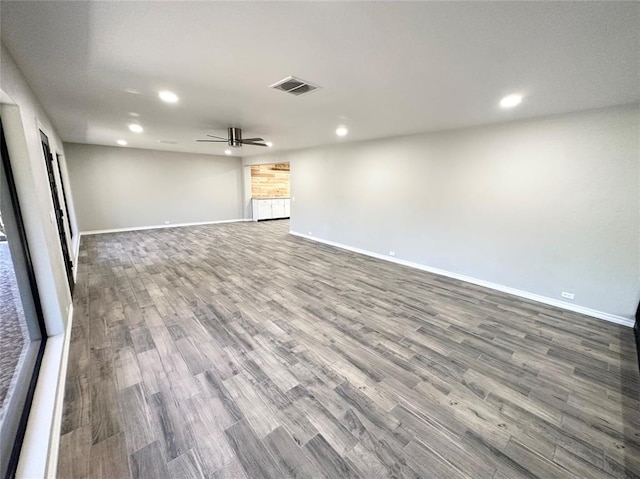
240, 351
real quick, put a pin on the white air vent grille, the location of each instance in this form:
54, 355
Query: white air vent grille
295, 86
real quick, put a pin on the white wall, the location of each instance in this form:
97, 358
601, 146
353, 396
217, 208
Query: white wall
118, 187
22, 118
541, 206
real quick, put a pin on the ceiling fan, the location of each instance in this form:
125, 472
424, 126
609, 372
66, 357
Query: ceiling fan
235, 139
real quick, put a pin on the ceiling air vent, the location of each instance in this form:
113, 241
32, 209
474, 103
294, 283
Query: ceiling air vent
295, 86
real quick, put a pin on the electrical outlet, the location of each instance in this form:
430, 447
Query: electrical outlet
167, 222
568, 295
392, 253
310, 233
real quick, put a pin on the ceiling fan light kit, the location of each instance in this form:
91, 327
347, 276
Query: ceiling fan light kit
235, 137
235, 140
292, 85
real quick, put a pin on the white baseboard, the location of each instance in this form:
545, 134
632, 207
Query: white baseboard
154, 227
498, 287
39, 454
54, 446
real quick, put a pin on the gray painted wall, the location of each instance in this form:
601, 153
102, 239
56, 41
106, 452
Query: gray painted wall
116, 187
542, 206
22, 118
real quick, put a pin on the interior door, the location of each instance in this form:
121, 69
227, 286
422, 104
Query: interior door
57, 208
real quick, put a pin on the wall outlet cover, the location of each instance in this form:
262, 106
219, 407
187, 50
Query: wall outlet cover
568, 295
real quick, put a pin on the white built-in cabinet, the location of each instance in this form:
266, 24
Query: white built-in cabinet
270, 208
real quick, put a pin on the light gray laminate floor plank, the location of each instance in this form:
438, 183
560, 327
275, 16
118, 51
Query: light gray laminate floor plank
148, 463
289, 457
186, 466
252, 453
74, 453
327, 460
240, 351
108, 459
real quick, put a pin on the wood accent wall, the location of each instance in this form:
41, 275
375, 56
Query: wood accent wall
270, 181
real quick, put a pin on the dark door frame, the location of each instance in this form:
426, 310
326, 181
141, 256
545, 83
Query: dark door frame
53, 186
64, 196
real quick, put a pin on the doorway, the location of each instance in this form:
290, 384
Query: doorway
270, 191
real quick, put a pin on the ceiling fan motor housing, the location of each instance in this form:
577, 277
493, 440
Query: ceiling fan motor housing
235, 137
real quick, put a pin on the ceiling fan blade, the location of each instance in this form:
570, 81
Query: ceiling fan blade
251, 143
253, 139
218, 137
213, 141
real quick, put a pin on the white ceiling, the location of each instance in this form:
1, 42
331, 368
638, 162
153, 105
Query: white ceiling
385, 68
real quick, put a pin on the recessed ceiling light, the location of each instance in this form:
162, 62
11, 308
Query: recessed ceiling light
510, 101
134, 127
121, 142
168, 96
269, 144
342, 131
227, 151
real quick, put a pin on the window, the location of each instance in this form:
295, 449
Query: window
22, 332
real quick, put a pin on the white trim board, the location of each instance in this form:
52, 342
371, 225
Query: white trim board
76, 254
612, 318
39, 453
154, 227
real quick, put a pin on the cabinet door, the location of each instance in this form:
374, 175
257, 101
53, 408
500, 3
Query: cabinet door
264, 209
287, 208
278, 208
